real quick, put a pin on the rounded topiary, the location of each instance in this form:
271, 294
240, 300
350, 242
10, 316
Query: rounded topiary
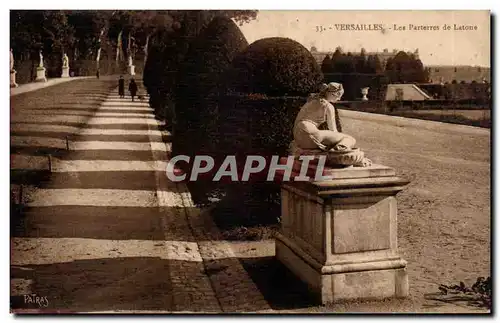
200, 78
275, 66
209, 55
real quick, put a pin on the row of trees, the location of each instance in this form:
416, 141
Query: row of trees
96, 34
361, 70
341, 62
402, 68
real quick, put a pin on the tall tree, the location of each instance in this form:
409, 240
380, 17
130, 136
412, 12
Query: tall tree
361, 62
336, 61
404, 68
373, 65
326, 64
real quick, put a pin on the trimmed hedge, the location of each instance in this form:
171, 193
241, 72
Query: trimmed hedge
266, 86
250, 124
268, 83
156, 74
275, 67
253, 125
199, 82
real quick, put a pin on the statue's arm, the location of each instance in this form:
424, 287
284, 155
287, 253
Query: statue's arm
330, 117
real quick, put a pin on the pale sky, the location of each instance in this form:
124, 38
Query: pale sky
442, 47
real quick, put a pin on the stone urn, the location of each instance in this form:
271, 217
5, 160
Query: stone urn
364, 92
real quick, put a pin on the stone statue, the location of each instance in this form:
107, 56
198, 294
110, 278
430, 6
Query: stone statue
12, 71
41, 59
339, 148
11, 60
65, 60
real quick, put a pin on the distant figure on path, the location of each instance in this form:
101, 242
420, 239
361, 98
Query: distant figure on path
121, 87
97, 73
132, 87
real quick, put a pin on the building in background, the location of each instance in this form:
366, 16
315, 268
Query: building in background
448, 74
383, 55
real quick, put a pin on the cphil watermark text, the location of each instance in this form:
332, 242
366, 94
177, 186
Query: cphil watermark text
252, 168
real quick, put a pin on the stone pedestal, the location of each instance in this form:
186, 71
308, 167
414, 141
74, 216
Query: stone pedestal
65, 72
131, 70
40, 75
340, 235
13, 79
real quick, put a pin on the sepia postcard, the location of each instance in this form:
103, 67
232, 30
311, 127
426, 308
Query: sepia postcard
250, 161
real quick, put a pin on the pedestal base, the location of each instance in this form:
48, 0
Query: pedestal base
13, 79
131, 70
340, 235
65, 72
386, 279
40, 75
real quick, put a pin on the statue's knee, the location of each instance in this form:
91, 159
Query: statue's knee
348, 141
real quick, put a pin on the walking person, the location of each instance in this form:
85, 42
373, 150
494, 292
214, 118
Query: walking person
121, 87
132, 88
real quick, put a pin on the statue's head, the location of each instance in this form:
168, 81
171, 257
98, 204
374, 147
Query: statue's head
332, 92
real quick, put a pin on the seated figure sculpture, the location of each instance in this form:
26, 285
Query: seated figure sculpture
339, 148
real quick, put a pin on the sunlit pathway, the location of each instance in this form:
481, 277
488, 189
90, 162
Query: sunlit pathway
108, 231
